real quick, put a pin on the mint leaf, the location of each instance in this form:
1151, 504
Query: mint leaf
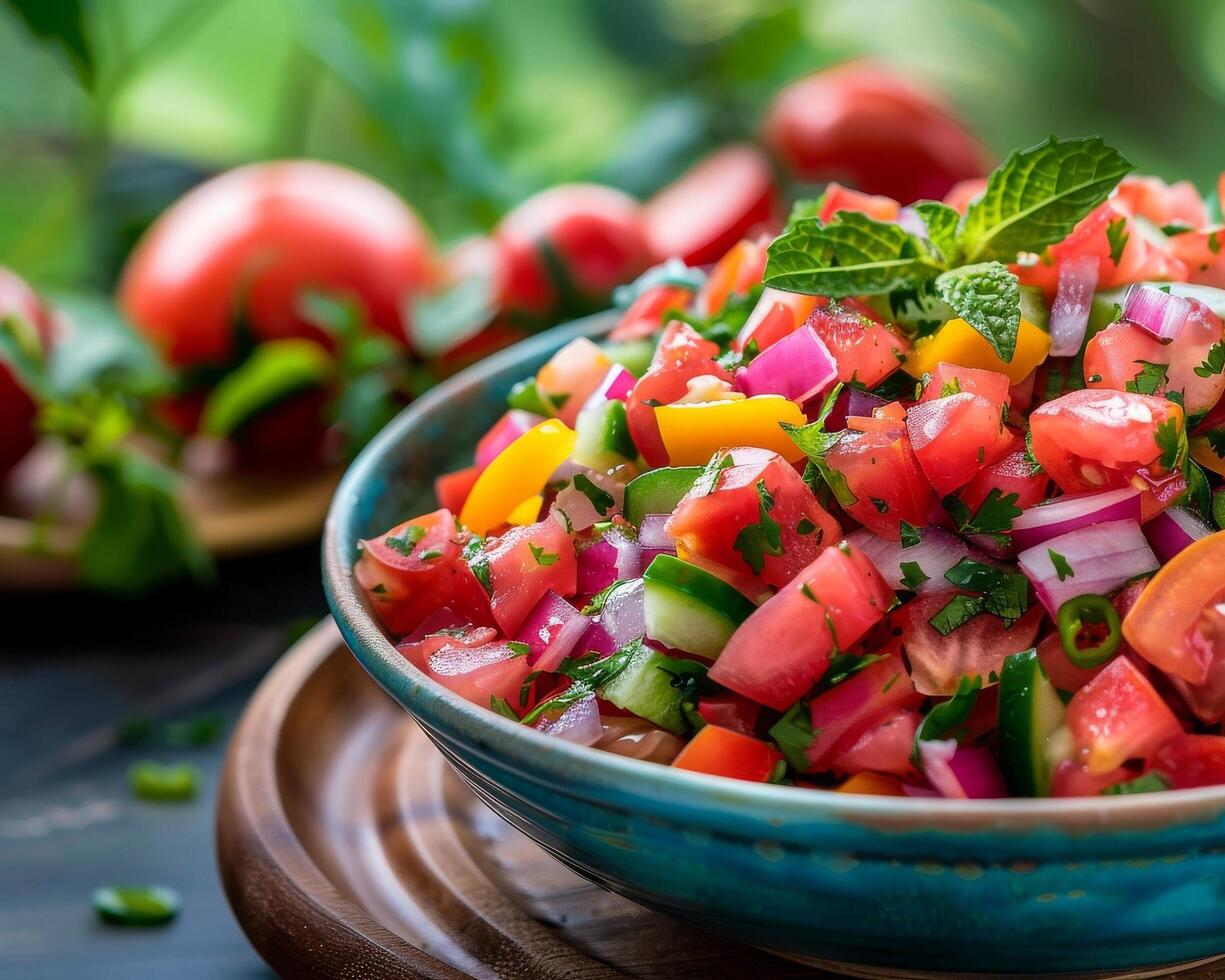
852, 255
988, 297
805, 207
941, 222
1036, 197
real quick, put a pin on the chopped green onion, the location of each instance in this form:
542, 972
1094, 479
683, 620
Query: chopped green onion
153, 906
1090, 613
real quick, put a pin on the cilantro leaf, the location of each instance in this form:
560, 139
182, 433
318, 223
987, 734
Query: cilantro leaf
994, 515
600, 599
910, 536
1151, 782
404, 542
912, 575
956, 613
794, 736
502, 707
755, 541
1117, 236
1004, 594
1214, 363
543, 558
1171, 439
852, 255
988, 297
1036, 197
1151, 378
478, 562
1060, 564
601, 499
945, 720
843, 665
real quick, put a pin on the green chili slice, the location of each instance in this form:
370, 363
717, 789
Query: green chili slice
153, 906
1091, 618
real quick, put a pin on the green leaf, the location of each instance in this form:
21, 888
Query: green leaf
909, 534
543, 558
805, 207
1004, 594
1214, 363
105, 353
1116, 237
1060, 564
912, 575
956, 613
502, 707
946, 718
756, 541
601, 499
852, 255
21, 351
154, 781
994, 515
1151, 782
600, 599
941, 222
988, 297
62, 24
793, 734
1150, 378
1171, 439
276, 370
1036, 197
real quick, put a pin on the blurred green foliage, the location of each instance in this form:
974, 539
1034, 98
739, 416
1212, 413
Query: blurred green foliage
109, 109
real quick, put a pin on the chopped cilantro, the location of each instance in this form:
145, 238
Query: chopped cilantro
804, 526
1150, 782
882, 506
600, 599
518, 648
543, 558
1094, 379
950, 388
406, 541
756, 541
1214, 363
1035, 468
588, 673
807, 592
1151, 377
1003, 594
912, 575
959, 611
994, 515
601, 499
910, 536
793, 734
843, 665
1062, 568
1216, 442
708, 479
502, 707
1117, 235
945, 720
478, 562
1172, 441
430, 555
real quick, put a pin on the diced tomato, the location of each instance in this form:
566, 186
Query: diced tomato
1189, 761
480, 673
523, 565
1118, 716
776, 315
737, 271
728, 710
1070, 778
1064, 674
882, 747
963, 192
872, 784
837, 198
949, 379
645, 316
723, 752
416, 568
1012, 473
1094, 440
710, 521
865, 700
1163, 204
681, 355
572, 374
979, 647
418, 651
1118, 358
452, 489
784, 647
954, 437
865, 349
881, 471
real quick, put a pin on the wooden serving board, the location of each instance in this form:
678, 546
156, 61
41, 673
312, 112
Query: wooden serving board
349, 848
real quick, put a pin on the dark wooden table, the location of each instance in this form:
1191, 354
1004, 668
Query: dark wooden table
73, 670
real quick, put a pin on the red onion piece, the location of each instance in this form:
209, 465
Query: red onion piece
579, 722
616, 386
580, 513
551, 631
936, 552
861, 403
1068, 513
1160, 313
505, 431
934, 758
1173, 530
624, 614
1073, 299
1101, 558
653, 534
597, 567
961, 771
797, 367
629, 554
597, 640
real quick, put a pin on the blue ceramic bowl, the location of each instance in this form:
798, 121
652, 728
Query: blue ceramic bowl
914, 884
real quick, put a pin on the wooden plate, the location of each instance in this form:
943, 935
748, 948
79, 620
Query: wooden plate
348, 848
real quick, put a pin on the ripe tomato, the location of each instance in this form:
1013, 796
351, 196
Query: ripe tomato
681, 355
253, 240
418, 651
572, 242
727, 196
1116, 357
738, 271
882, 747
776, 315
954, 437
862, 123
571, 375
1070, 778
1093, 440
1189, 761
1011, 473
784, 647
452, 489
723, 752
951, 379
709, 522
729, 710
417, 568
1118, 716
645, 316
524, 564
479, 673
866, 350
882, 473
17, 408
848, 709
838, 198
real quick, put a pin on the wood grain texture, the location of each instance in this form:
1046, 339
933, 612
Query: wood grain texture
348, 848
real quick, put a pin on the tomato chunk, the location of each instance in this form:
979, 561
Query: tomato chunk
1189, 761
479, 673
956, 436
1012, 473
951, 379
738, 271
723, 752
784, 647
1118, 716
452, 489
729, 710
883, 747
524, 564
866, 350
883, 475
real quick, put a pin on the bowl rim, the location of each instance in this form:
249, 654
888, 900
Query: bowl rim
370, 644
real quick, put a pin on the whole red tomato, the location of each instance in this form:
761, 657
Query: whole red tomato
861, 124
569, 246
17, 408
254, 239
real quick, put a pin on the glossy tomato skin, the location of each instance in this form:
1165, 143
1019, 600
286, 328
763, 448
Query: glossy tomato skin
728, 710
727, 196
417, 568
884, 746
1118, 716
863, 124
1011, 473
708, 521
572, 375
866, 350
837, 198
17, 407
882, 472
1189, 761
722, 752
524, 564
776, 315
1095, 440
784, 647
591, 235
950, 379
954, 437
256, 239
681, 355
479, 673
418, 651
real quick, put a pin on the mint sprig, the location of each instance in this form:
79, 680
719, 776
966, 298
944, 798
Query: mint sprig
988, 297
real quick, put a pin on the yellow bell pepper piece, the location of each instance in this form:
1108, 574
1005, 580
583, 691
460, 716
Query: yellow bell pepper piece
693, 433
518, 473
526, 512
959, 343
1203, 453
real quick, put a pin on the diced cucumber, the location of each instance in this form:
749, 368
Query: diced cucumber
689, 609
633, 355
645, 688
603, 436
658, 491
1030, 714
1033, 307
